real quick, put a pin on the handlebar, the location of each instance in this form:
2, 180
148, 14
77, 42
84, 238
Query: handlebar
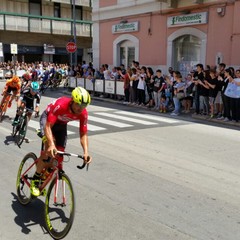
78, 156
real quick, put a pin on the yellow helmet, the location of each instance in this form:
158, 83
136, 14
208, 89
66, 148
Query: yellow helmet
81, 96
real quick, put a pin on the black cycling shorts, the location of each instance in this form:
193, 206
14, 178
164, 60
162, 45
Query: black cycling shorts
9, 89
28, 103
59, 131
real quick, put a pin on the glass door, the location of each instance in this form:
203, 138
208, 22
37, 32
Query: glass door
186, 53
127, 53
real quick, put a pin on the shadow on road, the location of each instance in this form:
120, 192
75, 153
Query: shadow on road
9, 140
5, 117
29, 215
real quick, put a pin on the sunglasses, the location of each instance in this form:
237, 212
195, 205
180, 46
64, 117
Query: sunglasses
83, 105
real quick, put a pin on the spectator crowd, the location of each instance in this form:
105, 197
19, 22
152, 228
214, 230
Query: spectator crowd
211, 91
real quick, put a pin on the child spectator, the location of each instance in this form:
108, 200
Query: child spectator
163, 103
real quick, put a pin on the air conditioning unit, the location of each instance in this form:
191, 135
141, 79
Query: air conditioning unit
198, 1
173, 3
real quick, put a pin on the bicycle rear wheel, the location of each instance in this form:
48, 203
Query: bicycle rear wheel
59, 212
22, 131
23, 188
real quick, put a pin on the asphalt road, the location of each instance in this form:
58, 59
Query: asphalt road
171, 180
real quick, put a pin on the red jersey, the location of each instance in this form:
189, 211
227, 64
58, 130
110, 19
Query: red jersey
59, 112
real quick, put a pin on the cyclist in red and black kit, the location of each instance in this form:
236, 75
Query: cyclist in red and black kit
53, 126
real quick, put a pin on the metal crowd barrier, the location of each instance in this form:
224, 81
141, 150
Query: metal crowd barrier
114, 87
100, 86
19, 73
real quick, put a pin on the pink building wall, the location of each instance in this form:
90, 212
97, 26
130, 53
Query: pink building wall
223, 36
235, 38
106, 3
152, 46
219, 35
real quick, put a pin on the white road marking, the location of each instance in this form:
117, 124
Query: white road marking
126, 118
108, 122
148, 116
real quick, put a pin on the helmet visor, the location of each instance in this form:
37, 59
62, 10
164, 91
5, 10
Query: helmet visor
35, 90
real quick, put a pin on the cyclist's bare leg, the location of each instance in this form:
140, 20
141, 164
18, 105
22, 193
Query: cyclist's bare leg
20, 107
41, 164
14, 96
29, 116
37, 111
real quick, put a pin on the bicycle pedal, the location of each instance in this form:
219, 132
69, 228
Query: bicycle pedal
44, 192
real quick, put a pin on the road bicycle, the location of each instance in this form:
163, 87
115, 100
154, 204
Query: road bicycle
19, 131
44, 86
52, 83
60, 202
4, 104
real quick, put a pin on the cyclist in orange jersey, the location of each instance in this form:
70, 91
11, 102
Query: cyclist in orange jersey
12, 85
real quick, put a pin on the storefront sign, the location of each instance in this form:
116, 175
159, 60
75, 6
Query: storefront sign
48, 49
189, 19
125, 27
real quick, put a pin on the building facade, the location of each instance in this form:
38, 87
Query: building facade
164, 33
39, 30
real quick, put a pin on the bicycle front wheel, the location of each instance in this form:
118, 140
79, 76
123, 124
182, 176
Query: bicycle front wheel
3, 110
15, 130
22, 131
59, 207
28, 168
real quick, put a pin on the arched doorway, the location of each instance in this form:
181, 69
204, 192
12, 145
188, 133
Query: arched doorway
127, 53
186, 44
125, 50
186, 53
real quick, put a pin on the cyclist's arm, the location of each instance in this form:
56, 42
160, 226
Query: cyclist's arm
38, 99
50, 140
84, 144
18, 91
6, 87
4, 90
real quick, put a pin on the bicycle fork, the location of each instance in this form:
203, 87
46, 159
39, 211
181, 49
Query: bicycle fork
63, 197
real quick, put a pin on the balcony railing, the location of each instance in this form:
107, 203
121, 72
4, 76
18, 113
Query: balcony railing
42, 24
86, 3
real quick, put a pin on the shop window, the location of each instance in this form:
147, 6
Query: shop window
127, 53
186, 53
131, 55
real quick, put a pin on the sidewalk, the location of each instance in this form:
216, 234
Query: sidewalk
183, 116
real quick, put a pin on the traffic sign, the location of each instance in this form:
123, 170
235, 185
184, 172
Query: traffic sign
71, 47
